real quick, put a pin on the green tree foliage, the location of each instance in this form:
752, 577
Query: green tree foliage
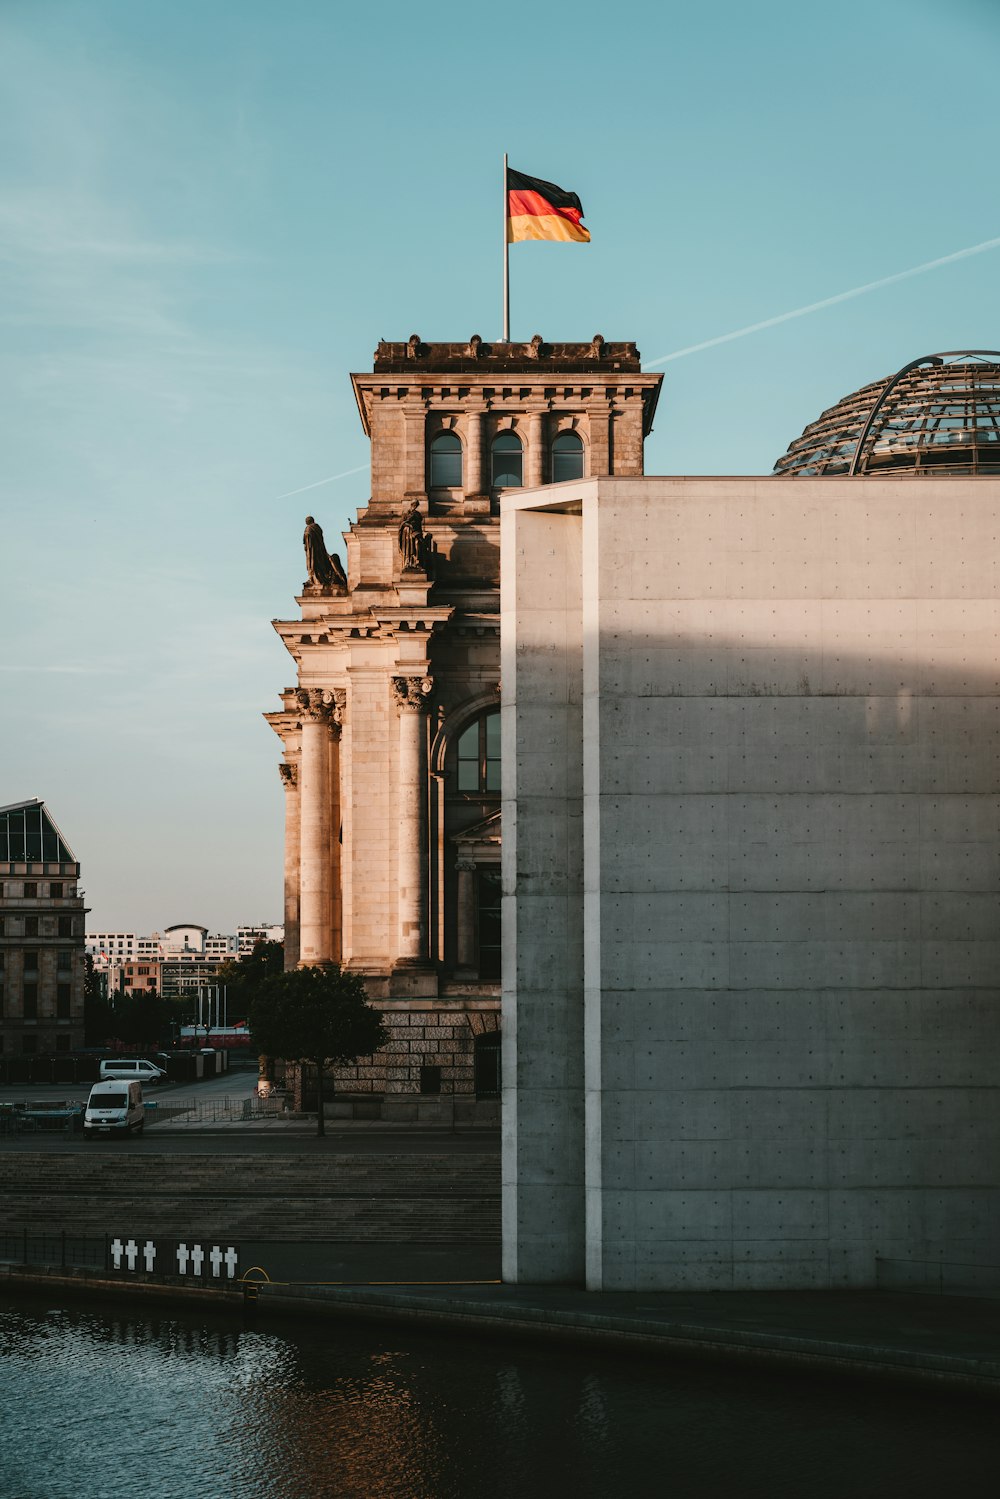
96, 1010
317, 1015
243, 977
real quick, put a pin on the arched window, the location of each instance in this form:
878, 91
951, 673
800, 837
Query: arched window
506, 461
446, 461
567, 457
479, 755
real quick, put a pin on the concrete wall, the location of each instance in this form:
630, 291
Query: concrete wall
542, 1062
785, 955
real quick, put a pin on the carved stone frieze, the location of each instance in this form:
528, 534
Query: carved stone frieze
289, 774
412, 692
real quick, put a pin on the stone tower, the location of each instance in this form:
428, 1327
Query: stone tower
391, 743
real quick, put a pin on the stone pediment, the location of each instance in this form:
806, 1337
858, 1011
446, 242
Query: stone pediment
485, 832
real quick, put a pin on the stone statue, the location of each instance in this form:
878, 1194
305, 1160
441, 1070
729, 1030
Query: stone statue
415, 547
323, 568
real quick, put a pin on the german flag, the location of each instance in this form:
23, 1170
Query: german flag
540, 210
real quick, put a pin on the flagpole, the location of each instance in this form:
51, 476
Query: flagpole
506, 259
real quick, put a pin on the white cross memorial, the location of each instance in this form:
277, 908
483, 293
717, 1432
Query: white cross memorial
131, 1250
182, 1259
197, 1259
216, 1259
116, 1253
149, 1255
231, 1258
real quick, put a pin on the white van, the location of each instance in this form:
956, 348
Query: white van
113, 1108
135, 1069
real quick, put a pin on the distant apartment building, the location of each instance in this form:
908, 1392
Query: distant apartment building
42, 960
180, 960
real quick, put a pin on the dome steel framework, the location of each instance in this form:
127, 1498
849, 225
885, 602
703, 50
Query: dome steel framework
939, 414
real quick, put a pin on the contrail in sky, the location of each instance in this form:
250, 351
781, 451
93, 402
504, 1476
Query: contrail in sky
844, 296
332, 480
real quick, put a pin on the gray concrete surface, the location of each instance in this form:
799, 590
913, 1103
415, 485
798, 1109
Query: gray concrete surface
752, 879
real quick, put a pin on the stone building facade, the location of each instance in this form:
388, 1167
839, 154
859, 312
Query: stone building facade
42, 957
391, 765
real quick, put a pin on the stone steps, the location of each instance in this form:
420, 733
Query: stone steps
364, 1199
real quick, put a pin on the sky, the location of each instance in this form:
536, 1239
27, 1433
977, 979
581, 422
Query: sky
210, 212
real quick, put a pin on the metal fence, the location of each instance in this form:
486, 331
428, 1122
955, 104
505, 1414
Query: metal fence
204, 1258
224, 1110
54, 1247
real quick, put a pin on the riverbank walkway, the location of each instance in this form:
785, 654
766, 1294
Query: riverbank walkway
952, 1342
949, 1341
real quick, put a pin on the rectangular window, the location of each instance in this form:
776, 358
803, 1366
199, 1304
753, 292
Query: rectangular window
31, 965
63, 992
62, 1043
31, 889
488, 891
29, 1044
430, 1079
56, 890
64, 960
31, 926
65, 926
29, 1001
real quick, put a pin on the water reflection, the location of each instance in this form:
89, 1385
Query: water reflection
99, 1404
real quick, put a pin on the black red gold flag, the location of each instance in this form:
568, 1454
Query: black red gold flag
540, 210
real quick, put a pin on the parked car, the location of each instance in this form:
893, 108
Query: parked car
136, 1069
114, 1108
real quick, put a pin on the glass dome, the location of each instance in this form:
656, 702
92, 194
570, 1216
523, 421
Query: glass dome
940, 414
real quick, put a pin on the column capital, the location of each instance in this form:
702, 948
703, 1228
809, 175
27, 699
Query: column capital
465, 865
289, 775
322, 705
412, 692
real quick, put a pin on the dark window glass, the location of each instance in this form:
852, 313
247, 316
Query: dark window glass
64, 960
479, 755
487, 1065
430, 1079
488, 910
31, 926
567, 457
62, 1001
31, 964
506, 461
29, 1044
62, 1043
65, 926
29, 1001
55, 890
30, 889
446, 462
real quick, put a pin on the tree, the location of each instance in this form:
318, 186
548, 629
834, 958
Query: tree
243, 977
96, 1010
318, 1015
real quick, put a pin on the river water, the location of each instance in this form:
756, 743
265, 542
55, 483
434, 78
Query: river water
100, 1403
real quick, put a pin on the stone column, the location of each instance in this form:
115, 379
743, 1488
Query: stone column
465, 919
411, 696
293, 855
316, 863
535, 473
336, 817
474, 454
